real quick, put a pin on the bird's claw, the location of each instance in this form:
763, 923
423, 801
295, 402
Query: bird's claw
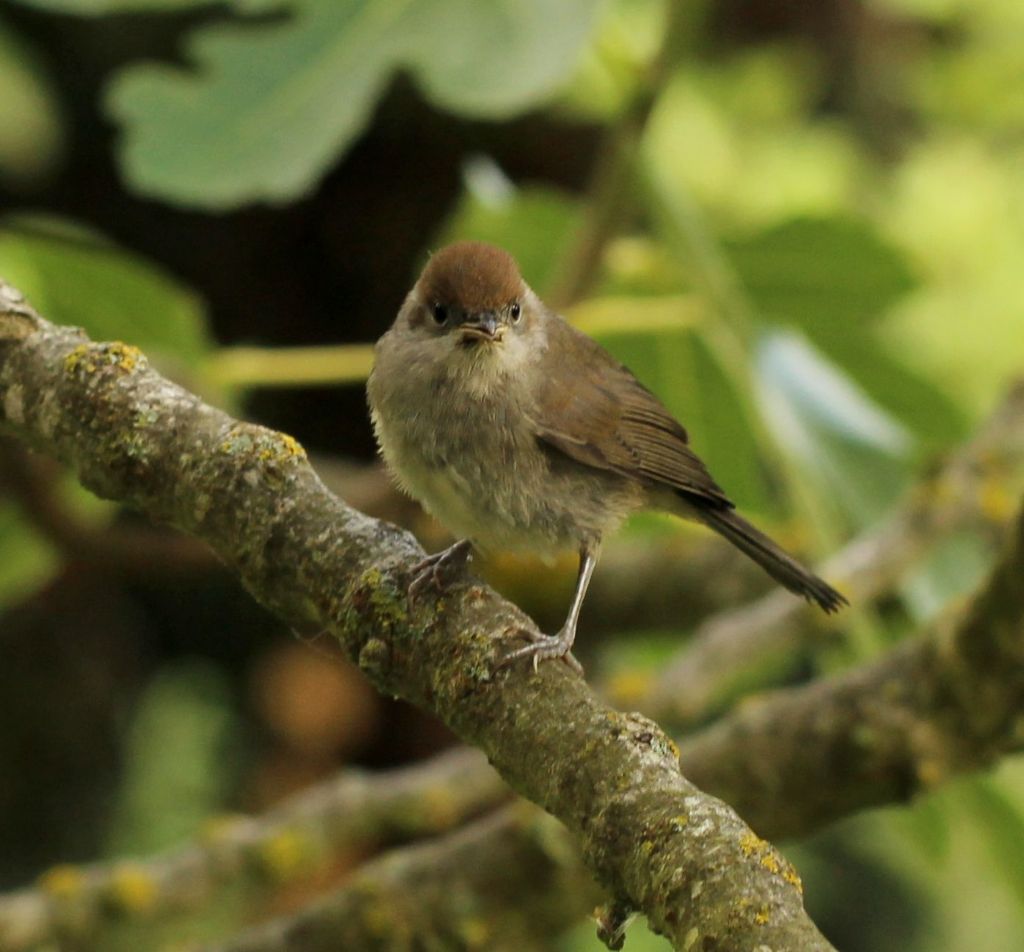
440, 569
544, 648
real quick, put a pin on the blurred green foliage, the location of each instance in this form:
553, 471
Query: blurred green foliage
76, 277
273, 105
28, 559
29, 115
178, 763
841, 284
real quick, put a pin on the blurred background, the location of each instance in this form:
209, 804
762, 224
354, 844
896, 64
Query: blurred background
801, 224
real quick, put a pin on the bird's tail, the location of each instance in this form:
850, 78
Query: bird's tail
778, 564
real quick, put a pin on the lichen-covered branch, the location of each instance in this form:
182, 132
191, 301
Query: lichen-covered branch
976, 488
651, 837
354, 812
947, 701
507, 882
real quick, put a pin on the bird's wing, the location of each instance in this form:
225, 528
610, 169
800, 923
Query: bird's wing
604, 417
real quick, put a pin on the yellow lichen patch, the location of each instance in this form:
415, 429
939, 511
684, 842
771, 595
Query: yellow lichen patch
279, 447
266, 446
123, 356
761, 916
664, 745
751, 843
284, 854
62, 882
132, 889
629, 686
764, 852
78, 358
91, 357
995, 501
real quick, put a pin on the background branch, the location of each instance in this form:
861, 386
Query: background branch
974, 489
465, 891
354, 812
938, 704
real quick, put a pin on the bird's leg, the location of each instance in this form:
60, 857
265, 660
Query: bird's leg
544, 647
441, 568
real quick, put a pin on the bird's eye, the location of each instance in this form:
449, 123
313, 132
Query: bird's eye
516, 312
440, 313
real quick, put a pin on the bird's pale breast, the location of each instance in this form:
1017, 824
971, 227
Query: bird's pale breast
473, 460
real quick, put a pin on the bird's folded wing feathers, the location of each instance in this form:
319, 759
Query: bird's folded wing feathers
607, 419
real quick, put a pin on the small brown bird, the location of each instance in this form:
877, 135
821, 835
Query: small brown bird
518, 431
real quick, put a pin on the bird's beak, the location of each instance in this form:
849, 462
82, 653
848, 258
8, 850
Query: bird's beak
482, 326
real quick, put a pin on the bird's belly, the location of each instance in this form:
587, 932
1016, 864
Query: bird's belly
486, 495
490, 481
453, 501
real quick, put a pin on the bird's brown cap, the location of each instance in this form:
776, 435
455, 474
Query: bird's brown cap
471, 275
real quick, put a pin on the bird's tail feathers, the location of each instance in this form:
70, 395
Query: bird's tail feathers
772, 558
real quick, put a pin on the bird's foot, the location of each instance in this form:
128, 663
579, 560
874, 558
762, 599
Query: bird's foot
544, 648
440, 569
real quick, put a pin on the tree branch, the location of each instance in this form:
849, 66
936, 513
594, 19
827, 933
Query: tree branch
941, 703
976, 488
945, 702
464, 891
354, 812
613, 779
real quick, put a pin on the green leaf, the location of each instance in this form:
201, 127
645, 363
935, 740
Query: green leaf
77, 277
819, 272
934, 416
32, 137
95, 8
857, 453
1000, 814
28, 561
833, 278
175, 768
270, 106
494, 59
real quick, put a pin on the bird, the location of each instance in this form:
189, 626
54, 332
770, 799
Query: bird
518, 431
